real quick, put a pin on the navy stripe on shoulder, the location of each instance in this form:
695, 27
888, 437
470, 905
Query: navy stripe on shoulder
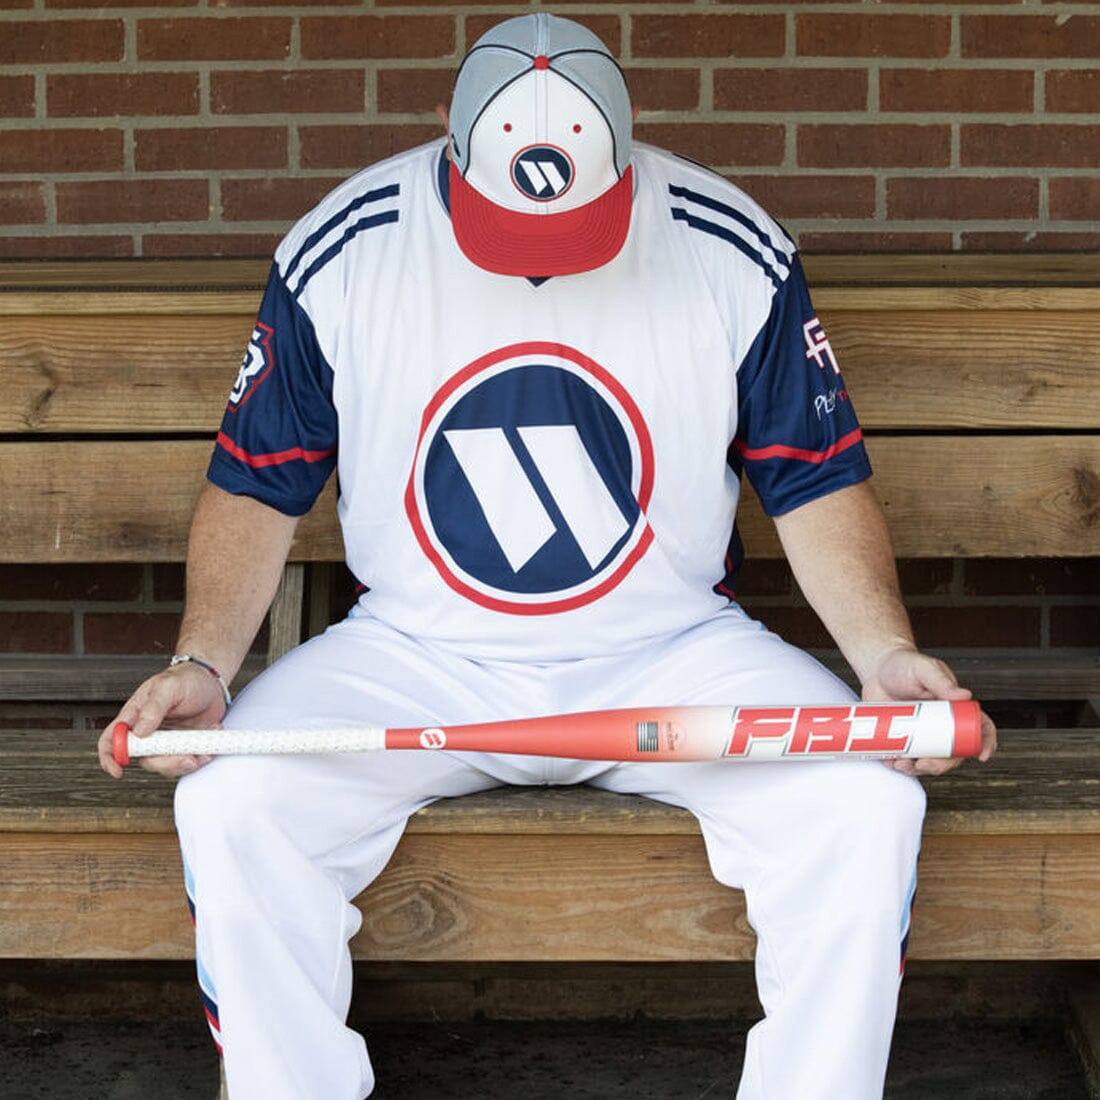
738, 242
390, 191
386, 217
736, 215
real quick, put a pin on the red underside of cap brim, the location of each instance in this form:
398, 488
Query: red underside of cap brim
510, 243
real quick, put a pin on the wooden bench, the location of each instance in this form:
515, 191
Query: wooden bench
975, 379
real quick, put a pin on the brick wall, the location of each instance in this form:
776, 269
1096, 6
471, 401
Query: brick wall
204, 127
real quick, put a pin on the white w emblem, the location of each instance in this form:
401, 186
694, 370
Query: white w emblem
517, 517
542, 172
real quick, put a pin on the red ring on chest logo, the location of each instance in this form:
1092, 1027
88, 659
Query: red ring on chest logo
531, 479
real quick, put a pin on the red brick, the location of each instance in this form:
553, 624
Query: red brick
765, 577
16, 96
1031, 242
812, 196
839, 34
123, 3
862, 241
60, 151
54, 246
1076, 91
1075, 626
797, 625
957, 91
215, 147
714, 35
130, 632
719, 143
966, 627
35, 632
790, 89
1051, 146
273, 199
446, 3
409, 90
283, 3
874, 146
357, 146
1032, 577
290, 92
211, 39
1075, 199
62, 41
169, 582
22, 203
133, 201
926, 576
1022, 36
607, 28
95, 95
962, 198
70, 582
210, 245
663, 89
356, 36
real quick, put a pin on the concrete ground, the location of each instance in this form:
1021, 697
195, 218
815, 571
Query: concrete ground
642, 1059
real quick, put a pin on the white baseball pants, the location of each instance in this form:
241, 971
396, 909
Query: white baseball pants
275, 848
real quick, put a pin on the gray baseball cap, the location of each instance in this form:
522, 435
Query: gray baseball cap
540, 172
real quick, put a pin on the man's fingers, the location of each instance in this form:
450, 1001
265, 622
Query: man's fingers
174, 767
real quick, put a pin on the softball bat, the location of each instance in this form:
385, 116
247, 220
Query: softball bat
687, 733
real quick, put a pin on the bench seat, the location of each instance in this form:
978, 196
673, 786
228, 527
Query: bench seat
1008, 868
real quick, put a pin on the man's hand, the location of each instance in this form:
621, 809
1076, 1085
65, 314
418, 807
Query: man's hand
187, 696
906, 673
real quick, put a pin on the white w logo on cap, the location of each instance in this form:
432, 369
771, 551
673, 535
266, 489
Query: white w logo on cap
542, 172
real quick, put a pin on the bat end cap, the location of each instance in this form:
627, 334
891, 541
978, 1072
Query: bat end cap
120, 748
968, 728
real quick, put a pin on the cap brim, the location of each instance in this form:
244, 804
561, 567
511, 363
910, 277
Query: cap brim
508, 242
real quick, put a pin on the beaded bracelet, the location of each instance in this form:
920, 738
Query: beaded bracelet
186, 658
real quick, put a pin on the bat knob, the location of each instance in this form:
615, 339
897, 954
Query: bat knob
120, 747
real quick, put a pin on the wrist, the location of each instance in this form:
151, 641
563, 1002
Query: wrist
869, 665
206, 667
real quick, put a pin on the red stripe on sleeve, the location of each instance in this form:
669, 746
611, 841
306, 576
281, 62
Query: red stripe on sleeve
275, 459
781, 450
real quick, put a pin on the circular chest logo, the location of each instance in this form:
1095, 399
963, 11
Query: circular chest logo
531, 479
542, 172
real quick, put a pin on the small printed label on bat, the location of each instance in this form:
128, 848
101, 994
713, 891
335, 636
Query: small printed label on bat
797, 731
433, 739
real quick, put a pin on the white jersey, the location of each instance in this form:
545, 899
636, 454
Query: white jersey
538, 469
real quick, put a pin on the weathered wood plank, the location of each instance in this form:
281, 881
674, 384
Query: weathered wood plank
118, 374
204, 302
931, 370
72, 505
201, 286
843, 269
938, 370
1052, 675
496, 898
96, 679
1040, 782
1014, 497
836, 269
58, 276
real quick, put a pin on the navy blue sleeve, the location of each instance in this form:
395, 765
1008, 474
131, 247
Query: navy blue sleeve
279, 433
797, 434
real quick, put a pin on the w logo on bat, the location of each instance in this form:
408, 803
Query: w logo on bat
542, 172
433, 739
